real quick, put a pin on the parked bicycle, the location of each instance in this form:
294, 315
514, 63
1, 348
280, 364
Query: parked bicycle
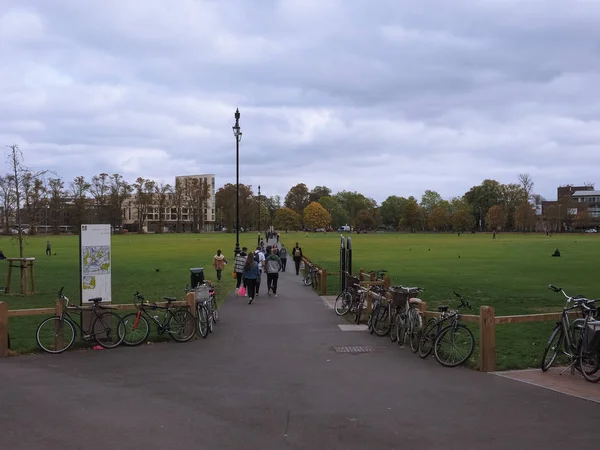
452, 343
348, 298
567, 337
57, 334
177, 322
207, 312
406, 322
311, 277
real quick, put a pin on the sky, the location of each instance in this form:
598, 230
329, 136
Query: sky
384, 97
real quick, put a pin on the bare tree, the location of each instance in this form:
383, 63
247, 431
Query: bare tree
7, 200
99, 188
526, 183
144, 190
178, 200
79, 190
161, 192
56, 202
197, 194
119, 190
35, 193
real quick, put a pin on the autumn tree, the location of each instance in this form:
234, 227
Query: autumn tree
462, 219
315, 216
225, 198
495, 218
582, 219
365, 220
412, 219
7, 201
197, 193
525, 217
438, 219
100, 189
118, 191
79, 206
287, 219
297, 198
162, 192
56, 204
144, 190
34, 192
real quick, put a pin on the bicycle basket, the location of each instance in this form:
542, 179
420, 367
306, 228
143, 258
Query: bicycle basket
399, 299
352, 282
202, 293
592, 334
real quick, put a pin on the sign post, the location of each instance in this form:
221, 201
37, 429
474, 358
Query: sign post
349, 255
342, 262
95, 263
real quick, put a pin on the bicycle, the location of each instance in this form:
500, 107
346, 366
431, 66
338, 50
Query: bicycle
407, 321
348, 298
178, 322
380, 304
566, 337
435, 334
310, 277
207, 313
61, 329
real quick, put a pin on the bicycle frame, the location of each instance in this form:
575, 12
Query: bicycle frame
85, 334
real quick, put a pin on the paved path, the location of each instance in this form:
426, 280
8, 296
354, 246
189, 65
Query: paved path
268, 378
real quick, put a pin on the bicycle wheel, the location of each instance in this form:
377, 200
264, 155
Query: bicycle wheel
447, 342
342, 303
137, 329
416, 328
381, 321
215, 309
182, 325
428, 338
202, 320
54, 335
108, 329
552, 348
394, 328
307, 280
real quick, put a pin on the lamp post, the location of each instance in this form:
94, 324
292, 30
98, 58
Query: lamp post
237, 133
258, 243
480, 219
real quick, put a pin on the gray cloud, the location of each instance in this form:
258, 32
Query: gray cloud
383, 97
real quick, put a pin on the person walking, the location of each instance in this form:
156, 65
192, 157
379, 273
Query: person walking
272, 267
219, 262
283, 257
259, 257
297, 255
48, 248
250, 274
238, 266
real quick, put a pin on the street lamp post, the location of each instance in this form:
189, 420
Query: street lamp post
237, 133
258, 215
480, 219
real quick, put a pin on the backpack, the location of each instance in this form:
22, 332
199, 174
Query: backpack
256, 257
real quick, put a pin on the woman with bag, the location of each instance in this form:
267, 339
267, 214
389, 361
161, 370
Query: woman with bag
219, 262
250, 276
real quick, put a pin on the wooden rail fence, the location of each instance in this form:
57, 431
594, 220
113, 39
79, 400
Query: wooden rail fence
5, 313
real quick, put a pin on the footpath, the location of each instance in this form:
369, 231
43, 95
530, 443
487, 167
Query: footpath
270, 377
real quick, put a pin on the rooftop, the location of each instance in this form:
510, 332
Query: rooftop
585, 193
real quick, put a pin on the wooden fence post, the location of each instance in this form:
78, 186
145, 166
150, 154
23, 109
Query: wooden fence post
423, 310
360, 274
487, 339
369, 302
190, 300
3, 330
387, 282
323, 282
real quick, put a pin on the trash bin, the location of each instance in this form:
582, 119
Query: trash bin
196, 276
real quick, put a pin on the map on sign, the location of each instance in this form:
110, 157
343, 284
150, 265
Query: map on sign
89, 282
96, 259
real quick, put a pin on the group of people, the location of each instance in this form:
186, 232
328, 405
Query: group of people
249, 267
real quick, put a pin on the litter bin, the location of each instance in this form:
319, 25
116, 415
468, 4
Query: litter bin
196, 276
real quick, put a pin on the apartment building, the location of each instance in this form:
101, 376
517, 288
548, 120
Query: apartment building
171, 217
589, 198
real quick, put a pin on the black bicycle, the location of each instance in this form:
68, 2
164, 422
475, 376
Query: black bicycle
177, 322
57, 334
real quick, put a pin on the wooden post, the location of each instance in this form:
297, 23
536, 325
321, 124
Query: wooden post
423, 310
323, 282
371, 278
7, 289
3, 330
487, 339
387, 282
360, 274
24, 286
31, 275
369, 302
190, 300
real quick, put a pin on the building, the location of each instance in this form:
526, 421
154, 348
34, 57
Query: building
176, 214
590, 199
575, 207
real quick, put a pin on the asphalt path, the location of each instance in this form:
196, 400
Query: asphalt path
269, 378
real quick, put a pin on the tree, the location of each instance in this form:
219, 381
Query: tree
287, 219
318, 192
352, 203
79, 208
481, 198
7, 200
339, 217
162, 192
225, 198
429, 200
100, 188
297, 198
315, 216
412, 218
582, 219
197, 194
462, 220
438, 219
34, 191
391, 210
365, 220
526, 183
56, 188
495, 218
118, 192
525, 217
144, 189
513, 196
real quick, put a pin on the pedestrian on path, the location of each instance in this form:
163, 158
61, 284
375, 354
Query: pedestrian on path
297, 255
272, 267
259, 257
283, 257
219, 262
250, 274
238, 266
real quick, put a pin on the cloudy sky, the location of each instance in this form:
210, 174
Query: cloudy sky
380, 96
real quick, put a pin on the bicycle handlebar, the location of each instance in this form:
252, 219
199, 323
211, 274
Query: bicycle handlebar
581, 301
462, 301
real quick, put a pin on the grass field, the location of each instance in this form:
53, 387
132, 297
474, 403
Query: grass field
156, 265
510, 273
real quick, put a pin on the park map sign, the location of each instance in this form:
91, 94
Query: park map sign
95, 262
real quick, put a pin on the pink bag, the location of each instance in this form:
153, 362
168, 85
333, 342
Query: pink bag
242, 291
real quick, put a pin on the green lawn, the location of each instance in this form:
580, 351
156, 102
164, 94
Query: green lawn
156, 265
510, 273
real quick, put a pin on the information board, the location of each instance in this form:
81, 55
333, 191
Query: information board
95, 263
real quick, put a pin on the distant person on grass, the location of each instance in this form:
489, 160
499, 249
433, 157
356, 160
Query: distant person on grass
250, 274
48, 248
272, 267
238, 266
219, 262
297, 255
